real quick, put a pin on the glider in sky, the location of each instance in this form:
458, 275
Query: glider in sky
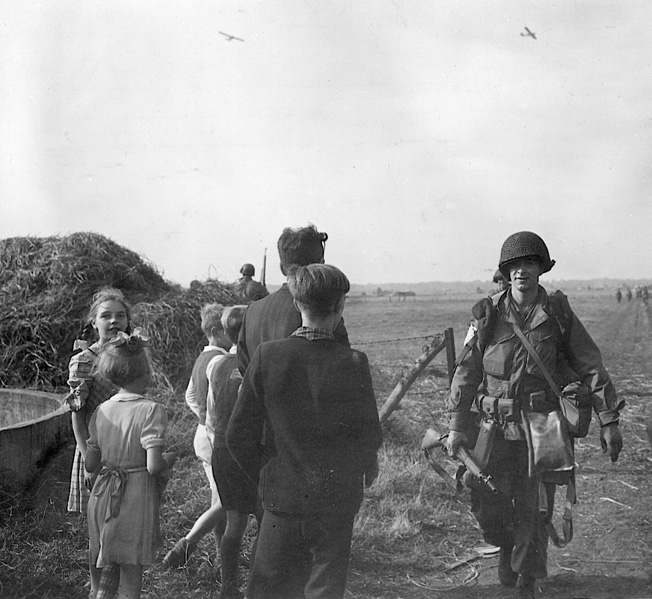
230, 37
529, 33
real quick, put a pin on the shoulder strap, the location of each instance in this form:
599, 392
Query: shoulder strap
465, 351
535, 356
561, 311
567, 526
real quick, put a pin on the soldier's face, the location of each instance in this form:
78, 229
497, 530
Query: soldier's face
524, 273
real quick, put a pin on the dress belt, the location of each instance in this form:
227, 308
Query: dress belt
113, 480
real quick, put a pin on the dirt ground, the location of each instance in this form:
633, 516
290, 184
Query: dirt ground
611, 552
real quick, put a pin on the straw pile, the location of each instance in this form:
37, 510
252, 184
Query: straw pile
46, 288
173, 325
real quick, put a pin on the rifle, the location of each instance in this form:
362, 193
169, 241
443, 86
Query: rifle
262, 272
433, 439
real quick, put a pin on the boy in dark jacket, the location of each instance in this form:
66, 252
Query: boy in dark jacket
315, 398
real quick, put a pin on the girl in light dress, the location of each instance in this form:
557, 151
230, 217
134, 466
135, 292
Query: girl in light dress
125, 450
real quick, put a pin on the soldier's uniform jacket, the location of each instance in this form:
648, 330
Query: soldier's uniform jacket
498, 364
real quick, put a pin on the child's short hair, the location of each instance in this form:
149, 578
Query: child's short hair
125, 363
210, 317
232, 318
300, 247
318, 286
107, 294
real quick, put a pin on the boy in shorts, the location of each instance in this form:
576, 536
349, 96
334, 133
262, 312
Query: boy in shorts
214, 518
314, 399
238, 493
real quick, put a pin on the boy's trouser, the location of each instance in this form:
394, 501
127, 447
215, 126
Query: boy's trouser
301, 556
511, 516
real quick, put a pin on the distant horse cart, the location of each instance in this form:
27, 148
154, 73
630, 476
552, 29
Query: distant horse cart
402, 295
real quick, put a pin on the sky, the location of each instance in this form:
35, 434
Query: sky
417, 134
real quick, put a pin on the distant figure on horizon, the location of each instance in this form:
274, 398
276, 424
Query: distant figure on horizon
247, 287
501, 281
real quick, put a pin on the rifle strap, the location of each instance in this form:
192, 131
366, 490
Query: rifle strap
567, 526
535, 356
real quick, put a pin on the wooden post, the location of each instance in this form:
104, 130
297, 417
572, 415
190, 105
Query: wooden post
406, 381
450, 353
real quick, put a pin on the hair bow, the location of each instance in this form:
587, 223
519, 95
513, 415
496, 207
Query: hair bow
134, 341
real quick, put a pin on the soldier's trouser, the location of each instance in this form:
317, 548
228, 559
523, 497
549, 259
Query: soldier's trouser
511, 517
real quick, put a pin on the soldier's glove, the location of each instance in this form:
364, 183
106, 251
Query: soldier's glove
454, 441
611, 440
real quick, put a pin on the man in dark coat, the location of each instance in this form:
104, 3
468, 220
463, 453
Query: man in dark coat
316, 398
275, 317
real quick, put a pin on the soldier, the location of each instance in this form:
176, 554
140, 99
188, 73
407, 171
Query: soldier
501, 282
498, 367
247, 287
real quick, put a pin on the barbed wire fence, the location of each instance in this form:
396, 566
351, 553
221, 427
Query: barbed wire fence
434, 344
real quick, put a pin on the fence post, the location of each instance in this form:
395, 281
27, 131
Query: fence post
406, 381
450, 353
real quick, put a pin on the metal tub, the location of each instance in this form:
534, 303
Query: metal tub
32, 424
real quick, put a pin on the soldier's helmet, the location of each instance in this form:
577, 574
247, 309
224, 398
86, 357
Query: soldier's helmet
521, 245
248, 270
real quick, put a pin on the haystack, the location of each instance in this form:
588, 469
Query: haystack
46, 288
173, 325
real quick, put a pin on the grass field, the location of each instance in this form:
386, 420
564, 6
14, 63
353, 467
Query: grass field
410, 526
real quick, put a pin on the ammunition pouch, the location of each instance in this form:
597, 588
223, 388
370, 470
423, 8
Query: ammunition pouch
498, 409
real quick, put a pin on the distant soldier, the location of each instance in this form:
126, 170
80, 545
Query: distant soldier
628, 294
619, 295
501, 281
247, 287
645, 294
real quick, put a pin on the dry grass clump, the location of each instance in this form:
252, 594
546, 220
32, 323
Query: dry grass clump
46, 286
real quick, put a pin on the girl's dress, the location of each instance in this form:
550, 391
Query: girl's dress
86, 391
123, 511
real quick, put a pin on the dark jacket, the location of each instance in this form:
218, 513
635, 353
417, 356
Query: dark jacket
273, 317
317, 399
225, 381
505, 369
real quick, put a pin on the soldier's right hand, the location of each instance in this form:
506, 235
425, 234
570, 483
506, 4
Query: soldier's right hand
454, 441
611, 440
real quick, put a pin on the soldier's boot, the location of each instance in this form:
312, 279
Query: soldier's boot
526, 586
506, 575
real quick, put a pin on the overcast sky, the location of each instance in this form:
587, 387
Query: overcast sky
417, 134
